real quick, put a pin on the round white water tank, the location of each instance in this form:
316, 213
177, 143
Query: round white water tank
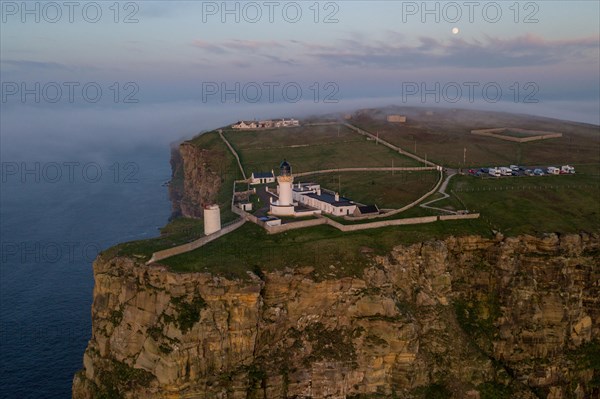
212, 219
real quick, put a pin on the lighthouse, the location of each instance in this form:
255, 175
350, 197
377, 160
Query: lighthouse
284, 206
285, 181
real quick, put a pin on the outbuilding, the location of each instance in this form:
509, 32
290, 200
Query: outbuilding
262, 178
366, 210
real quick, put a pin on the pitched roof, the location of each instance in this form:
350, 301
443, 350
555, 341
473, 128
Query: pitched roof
262, 175
368, 209
330, 199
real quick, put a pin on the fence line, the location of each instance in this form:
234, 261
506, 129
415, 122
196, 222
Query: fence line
389, 145
373, 169
235, 154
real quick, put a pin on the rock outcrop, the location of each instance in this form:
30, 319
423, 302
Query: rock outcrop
196, 178
465, 317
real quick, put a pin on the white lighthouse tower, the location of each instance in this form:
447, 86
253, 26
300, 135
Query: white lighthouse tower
284, 206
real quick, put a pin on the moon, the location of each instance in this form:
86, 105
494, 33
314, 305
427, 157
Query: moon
455, 31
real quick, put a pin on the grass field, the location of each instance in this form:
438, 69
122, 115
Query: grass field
386, 190
444, 134
529, 205
517, 134
329, 251
516, 205
311, 148
564, 203
177, 232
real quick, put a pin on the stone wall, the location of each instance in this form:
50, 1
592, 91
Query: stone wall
396, 211
460, 217
235, 154
382, 223
497, 133
364, 226
321, 220
167, 253
295, 225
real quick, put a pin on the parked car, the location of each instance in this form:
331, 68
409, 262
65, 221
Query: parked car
484, 170
472, 171
528, 172
538, 172
514, 168
515, 173
522, 168
553, 170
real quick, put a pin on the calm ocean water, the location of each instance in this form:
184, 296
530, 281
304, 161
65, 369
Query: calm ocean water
50, 234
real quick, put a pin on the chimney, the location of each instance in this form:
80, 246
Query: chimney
337, 197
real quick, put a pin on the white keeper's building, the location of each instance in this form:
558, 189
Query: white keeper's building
306, 198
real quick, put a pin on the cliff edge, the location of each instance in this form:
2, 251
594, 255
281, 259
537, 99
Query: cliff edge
465, 317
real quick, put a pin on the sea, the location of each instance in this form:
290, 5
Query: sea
52, 229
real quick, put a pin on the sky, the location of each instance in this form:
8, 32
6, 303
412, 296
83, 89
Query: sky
185, 66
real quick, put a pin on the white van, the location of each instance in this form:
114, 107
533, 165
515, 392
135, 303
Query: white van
494, 172
505, 171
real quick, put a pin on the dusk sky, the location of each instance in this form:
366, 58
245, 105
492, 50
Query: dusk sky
357, 53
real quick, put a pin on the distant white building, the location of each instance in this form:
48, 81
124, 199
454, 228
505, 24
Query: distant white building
245, 125
262, 177
266, 124
287, 123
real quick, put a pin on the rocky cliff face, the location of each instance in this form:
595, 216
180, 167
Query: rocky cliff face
196, 179
470, 317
